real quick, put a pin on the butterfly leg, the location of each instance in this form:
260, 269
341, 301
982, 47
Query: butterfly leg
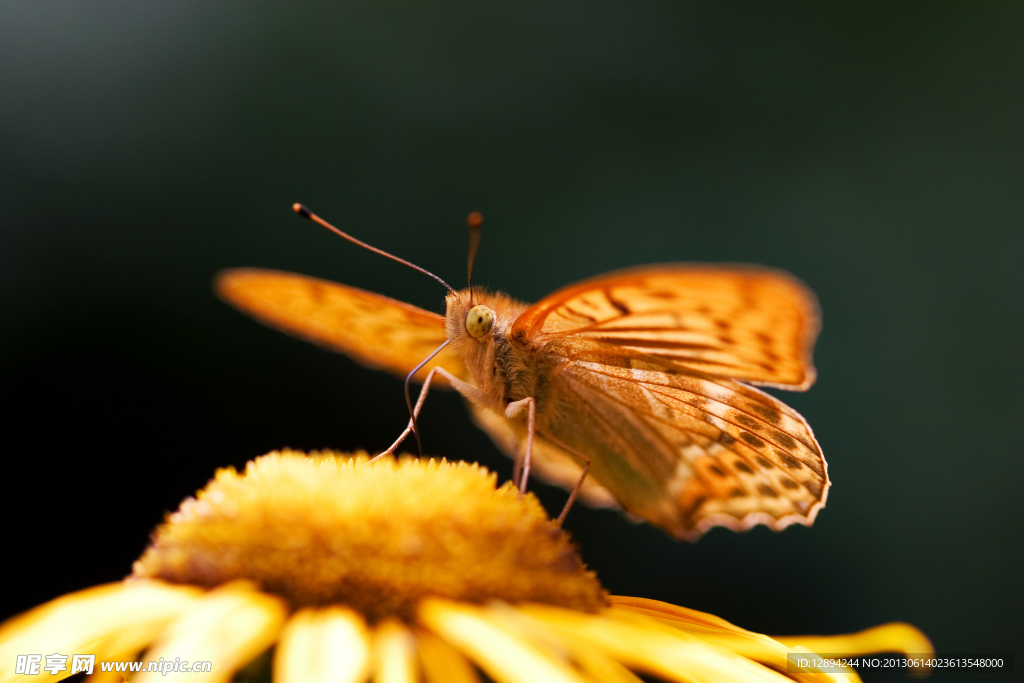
467, 390
579, 484
521, 468
575, 492
412, 420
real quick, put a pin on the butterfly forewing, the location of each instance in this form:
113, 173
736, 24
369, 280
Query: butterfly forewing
373, 329
742, 322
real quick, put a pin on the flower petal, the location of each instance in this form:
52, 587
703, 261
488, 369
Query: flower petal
112, 621
394, 654
504, 655
323, 645
894, 637
717, 631
590, 660
228, 627
601, 667
689, 619
655, 648
441, 662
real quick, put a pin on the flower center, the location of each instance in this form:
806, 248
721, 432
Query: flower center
331, 528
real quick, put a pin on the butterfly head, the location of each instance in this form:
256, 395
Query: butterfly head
475, 320
471, 317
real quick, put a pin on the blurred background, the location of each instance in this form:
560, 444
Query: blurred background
876, 152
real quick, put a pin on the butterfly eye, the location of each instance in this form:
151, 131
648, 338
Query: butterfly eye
479, 321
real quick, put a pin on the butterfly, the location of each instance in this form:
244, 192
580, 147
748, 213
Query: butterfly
634, 389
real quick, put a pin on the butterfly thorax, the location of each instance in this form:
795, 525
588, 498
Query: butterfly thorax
501, 367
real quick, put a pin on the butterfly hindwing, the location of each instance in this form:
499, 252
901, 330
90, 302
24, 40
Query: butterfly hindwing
683, 449
374, 330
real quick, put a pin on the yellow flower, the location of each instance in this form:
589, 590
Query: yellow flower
327, 568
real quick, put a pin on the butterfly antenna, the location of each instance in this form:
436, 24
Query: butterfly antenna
408, 400
474, 221
306, 213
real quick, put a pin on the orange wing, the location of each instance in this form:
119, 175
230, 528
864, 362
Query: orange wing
374, 330
683, 449
645, 364
742, 322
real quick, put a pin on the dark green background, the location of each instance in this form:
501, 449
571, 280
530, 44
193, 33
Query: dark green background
876, 152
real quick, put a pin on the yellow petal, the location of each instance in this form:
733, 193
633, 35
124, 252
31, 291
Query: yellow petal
665, 610
654, 648
894, 637
441, 662
706, 626
112, 621
590, 660
228, 627
503, 654
394, 654
717, 631
601, 667
323, 645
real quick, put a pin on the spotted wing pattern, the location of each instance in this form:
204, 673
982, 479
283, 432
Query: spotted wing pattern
684, 449
741, 322
374, 330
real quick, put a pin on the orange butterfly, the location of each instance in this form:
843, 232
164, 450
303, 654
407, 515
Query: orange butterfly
639, 377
